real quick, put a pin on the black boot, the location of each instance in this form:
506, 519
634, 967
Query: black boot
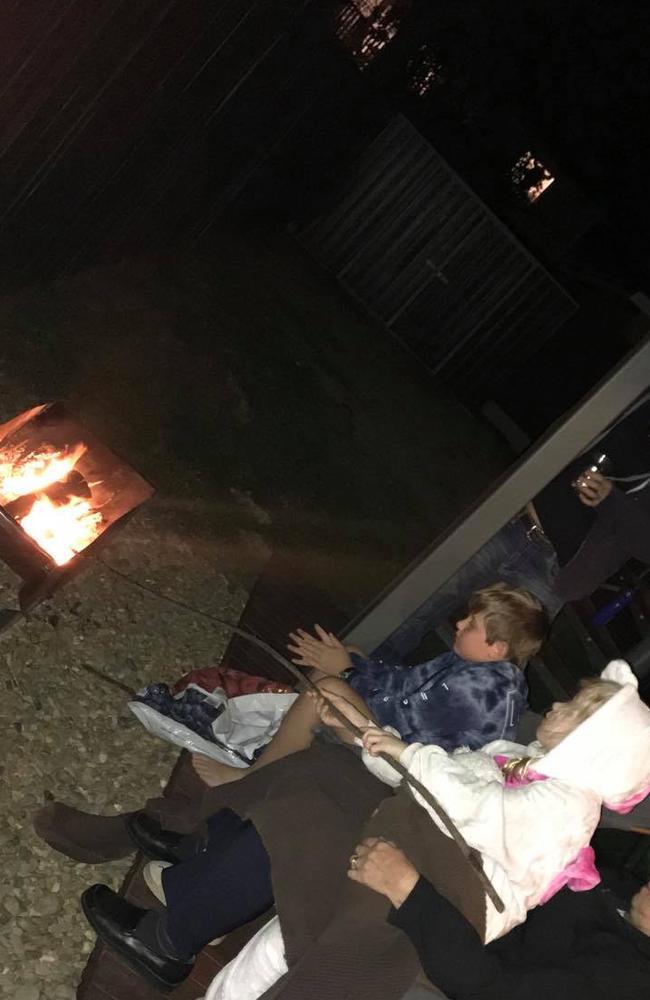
116, 922
149, 837
83, 836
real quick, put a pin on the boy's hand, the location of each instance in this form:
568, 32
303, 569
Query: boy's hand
325, 652
381, 866
328, 718
593, 488
376, 740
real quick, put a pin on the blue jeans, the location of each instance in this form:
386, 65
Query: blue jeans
515, 555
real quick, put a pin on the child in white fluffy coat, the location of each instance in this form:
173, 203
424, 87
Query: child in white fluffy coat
532, 821
531, 812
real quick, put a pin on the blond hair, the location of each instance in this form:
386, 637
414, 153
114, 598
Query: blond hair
514, 616
592, 693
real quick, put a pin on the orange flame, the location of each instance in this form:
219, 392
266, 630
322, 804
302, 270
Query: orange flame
61, 529
37, 471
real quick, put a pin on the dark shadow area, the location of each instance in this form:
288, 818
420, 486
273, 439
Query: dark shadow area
244, 384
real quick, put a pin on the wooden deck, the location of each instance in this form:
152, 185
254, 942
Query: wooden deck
282, 598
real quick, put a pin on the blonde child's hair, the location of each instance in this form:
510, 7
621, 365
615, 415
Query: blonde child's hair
592, 693
511, 615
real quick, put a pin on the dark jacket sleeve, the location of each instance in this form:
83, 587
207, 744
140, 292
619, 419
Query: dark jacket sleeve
389, 676
455, 960
620, 532
629, 517
450, 951
395, 680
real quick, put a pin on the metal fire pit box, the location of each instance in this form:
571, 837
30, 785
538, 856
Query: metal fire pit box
61, 492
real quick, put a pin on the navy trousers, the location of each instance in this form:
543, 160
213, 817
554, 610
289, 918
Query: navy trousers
221, 888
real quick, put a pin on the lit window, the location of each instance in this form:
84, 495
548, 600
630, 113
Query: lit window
368, 7
425, 72
530, 177
365, 27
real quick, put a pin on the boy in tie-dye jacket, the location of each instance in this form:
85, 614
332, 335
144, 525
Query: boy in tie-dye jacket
468, 696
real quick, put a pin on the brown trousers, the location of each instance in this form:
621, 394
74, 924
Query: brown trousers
311, 809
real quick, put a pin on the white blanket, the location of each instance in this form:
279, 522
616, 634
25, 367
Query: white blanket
257, 966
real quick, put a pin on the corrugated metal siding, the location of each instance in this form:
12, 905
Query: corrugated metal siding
428, 258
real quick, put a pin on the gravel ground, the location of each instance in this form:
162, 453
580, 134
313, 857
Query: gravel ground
211, 377
70, 735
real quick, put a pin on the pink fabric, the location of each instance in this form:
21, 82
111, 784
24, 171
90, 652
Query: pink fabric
580, 874
629, 804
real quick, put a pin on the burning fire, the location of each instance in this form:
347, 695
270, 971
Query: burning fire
62, 529
62, 524
36, 472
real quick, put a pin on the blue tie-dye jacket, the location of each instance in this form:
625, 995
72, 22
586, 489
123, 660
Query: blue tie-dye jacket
448, 701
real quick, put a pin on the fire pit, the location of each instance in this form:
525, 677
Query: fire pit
61, 490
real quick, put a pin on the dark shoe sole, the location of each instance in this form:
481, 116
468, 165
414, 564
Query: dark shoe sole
124, 952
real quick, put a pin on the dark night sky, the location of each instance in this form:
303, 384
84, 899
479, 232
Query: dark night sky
173, 112
142, 129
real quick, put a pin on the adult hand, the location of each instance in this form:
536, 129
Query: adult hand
376, 740
381, 866
323, 651
593, 488
328, 718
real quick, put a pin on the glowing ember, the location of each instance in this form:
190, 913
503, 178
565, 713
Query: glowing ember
62, 526
62, 529
36, 472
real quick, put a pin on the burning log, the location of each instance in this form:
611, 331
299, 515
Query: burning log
58, 493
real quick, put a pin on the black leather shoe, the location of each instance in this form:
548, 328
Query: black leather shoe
154, 842
114, 920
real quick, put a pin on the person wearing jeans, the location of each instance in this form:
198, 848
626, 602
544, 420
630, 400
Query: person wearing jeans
519, 554
576, 533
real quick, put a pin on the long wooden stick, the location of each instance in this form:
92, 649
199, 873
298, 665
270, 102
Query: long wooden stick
468, 853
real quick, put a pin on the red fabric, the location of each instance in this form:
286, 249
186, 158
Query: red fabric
233, 682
